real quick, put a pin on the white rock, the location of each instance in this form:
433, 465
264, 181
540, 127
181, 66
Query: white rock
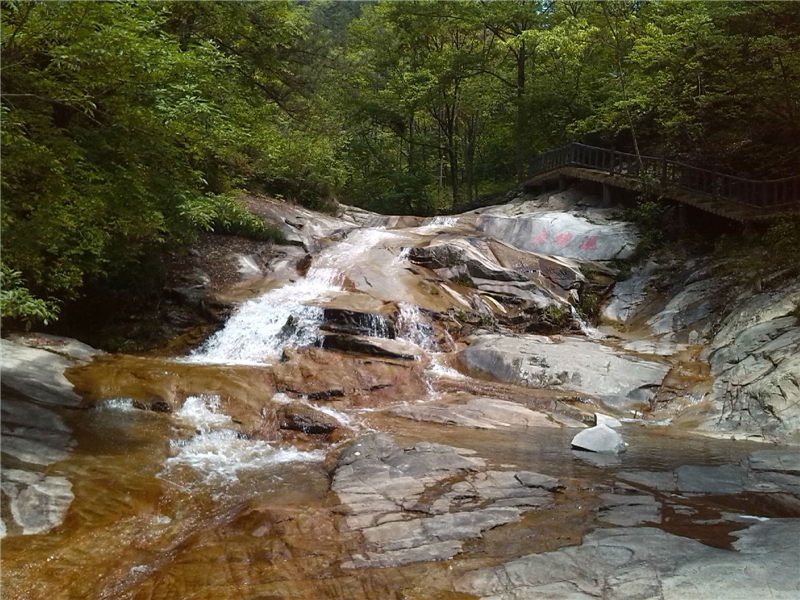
599, 439
601, 419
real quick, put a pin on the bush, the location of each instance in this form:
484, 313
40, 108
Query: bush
657, 223
228, 215
17, 303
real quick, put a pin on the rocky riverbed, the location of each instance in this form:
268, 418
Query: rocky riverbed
390, 411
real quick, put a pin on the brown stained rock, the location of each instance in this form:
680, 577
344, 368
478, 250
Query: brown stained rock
301, 417
362, 381
384, 348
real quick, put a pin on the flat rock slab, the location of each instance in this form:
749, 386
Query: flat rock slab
628, 510
423, 502
479, 413
564, 363
644, 562
766, 471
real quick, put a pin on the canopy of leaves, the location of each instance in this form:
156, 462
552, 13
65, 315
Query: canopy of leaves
129, 124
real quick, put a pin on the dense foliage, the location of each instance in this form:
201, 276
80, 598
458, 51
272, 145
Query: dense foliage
126, 124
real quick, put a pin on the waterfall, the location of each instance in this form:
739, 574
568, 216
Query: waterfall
289, 315
411, 326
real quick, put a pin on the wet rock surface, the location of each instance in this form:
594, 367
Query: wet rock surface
767, 471
424, 502
643, 562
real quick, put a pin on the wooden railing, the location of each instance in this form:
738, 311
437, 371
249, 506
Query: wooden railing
767, 194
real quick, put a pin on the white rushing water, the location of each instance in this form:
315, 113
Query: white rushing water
219, 457
289, 315
218, 454
411, 326
437, 223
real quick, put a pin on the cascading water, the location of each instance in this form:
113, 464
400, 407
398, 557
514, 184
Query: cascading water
412, 327
289, 315
437, 223
217, 453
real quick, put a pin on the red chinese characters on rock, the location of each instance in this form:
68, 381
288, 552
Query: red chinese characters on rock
563, 239
538, 239
589, 243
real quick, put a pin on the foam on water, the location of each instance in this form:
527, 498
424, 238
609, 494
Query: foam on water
437, 368
202, 413
218, 457
287, 316
411, 327
343, 418
438, 223
120, 404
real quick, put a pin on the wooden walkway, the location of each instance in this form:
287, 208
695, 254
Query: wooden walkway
723, 195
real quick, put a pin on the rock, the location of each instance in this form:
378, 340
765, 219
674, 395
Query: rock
565, 363
755, 358
33, 433
644, 562
384, 348
450, 251
54, 343
301, 417
601, 419
480, 413
628, 510
37, 374
628, 295
781, 461
725, 479
160, 406
423, 502
326, 394
600, 438
562, 234
37, 502
354, 322
692, 305
658, 347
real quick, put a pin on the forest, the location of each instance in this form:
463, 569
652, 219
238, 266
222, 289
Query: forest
129, 127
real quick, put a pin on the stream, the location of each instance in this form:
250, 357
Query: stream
224, 490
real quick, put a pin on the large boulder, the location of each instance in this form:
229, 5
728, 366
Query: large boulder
600, 438
566, 363
755, 357
37, 374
